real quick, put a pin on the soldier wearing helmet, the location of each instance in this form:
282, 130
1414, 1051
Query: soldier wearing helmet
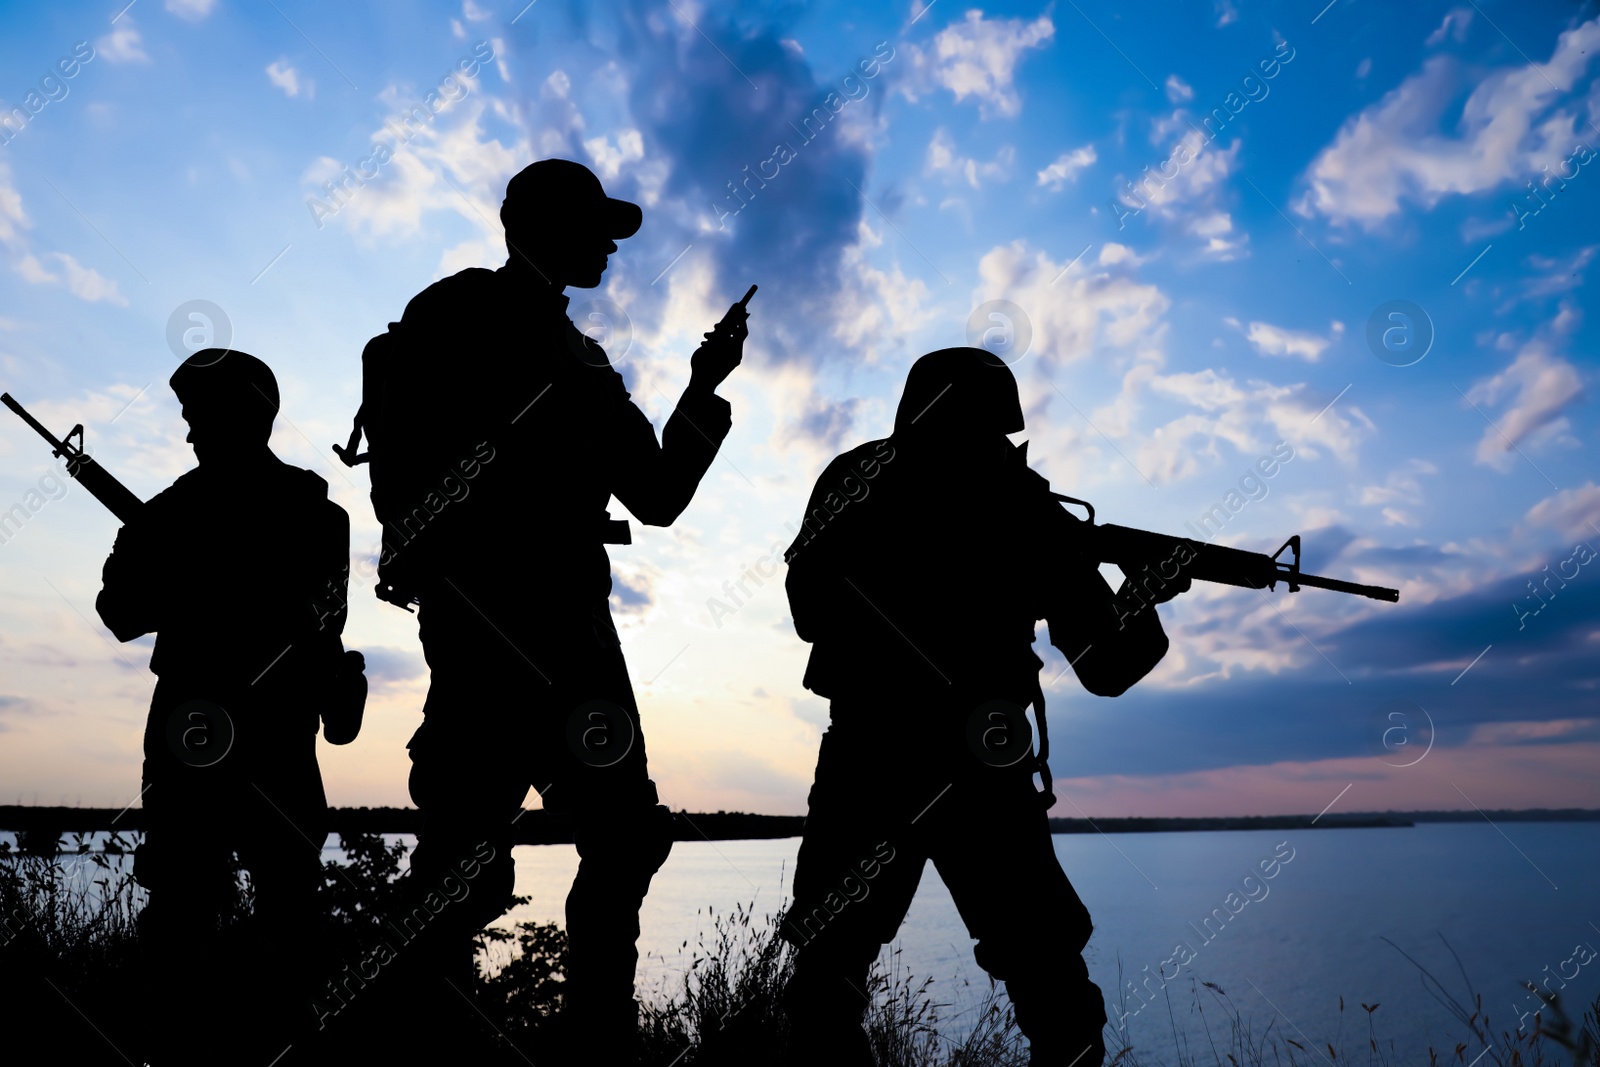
243, 674
906, 582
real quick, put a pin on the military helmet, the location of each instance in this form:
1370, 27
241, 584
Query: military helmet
228, 377
964, 391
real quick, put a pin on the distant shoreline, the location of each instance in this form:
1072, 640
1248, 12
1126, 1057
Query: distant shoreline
542, 828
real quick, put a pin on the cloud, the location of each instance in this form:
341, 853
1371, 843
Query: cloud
1400, 487
1455, 24
1113, 254
1390, 652
454, 145
285, 77
1573, 512
1226, 13
1066, 167
122, 45
1178, 90
942, 158
1544, 385
794, 225
1364, 68
977, 57
1533, 733
880, 307
632, 595
1216, 228
1192, 197
1557, 275
85, 283
1249, 416
1392, 151
609, 159
1074, 313
35, 272
82, 282
389, 668
1272, 340
192, 10
1110, 314
13, 220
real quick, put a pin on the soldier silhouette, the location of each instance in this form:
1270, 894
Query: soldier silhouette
498, 436
924, 563
239, 569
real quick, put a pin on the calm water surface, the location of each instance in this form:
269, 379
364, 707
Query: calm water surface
1512, 905
1285, 958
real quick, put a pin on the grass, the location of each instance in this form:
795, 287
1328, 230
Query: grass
70, 953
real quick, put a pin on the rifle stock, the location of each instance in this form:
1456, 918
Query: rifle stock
100, 483
1133, 550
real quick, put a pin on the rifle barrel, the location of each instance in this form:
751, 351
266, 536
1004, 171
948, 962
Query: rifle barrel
1131, 550
1376, 592
11, 402
101, 483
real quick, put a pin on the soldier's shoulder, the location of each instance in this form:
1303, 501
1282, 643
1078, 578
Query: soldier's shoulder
184, 489
862, 459
448, 295
307, 485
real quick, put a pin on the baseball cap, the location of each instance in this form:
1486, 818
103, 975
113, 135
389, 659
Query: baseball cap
569, 191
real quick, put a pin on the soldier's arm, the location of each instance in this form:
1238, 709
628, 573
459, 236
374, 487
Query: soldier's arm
657, 481
665, 480
133, 588
1109, 654
814, 580
333, 572
1110, 648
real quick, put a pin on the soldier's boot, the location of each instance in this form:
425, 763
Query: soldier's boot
825, 1002
187, 974
1060, 1011
419, 1005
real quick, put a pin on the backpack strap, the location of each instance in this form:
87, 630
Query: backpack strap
1041, 761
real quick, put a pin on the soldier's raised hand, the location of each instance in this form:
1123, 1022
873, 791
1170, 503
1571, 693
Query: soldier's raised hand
722, 350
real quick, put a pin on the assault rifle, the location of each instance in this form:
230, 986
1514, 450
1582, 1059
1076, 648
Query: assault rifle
101, 483
341, 707
1130, 550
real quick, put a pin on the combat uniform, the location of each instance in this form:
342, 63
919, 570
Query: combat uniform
514, 435
918, 577
240, 572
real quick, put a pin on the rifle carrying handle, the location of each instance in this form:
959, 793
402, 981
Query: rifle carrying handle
101, 483
1084, 504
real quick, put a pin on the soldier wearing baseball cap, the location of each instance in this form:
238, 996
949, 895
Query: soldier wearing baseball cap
559, 192
501, 434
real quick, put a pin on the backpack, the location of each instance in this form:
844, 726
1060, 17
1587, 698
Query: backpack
382, 360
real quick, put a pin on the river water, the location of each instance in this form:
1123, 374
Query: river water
1515, 901
1512, 905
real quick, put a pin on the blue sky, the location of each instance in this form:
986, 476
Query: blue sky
1182, 328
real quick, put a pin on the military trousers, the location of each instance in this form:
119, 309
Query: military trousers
234, 776
545, 702
887, 798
